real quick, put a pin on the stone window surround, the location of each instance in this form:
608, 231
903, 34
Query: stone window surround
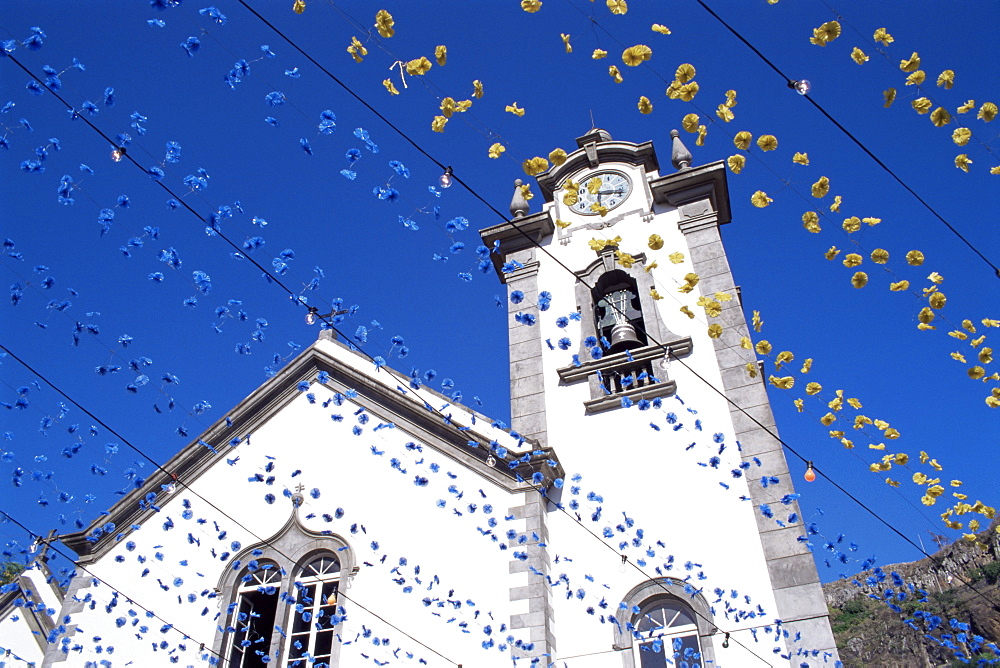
670, 345
652, 355
673, 589
291, 548
605, 263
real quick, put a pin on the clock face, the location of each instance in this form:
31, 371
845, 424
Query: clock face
601, 190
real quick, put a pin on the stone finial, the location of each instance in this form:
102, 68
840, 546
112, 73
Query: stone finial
518, 205
680, 157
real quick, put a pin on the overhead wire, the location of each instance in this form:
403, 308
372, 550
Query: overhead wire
536, 244
885, 56
388, 623
468, 188
816, 105
475, 194
182, 483
93, 575
786, 183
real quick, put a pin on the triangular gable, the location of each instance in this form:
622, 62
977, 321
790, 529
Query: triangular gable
453, 430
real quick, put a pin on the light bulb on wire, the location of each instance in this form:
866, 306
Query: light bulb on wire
118, 154
800, 86
445, 181
313, 315
171, 486
810, 474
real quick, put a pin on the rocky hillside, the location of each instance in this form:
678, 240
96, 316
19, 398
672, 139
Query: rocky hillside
870, 633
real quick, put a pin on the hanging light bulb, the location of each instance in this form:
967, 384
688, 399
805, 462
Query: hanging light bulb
725, 642
445, 180
491, 461
118, 154
311, 316
810, 475
621, 567
800, 86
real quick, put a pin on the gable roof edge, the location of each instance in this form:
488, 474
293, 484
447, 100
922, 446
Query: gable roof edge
414, 415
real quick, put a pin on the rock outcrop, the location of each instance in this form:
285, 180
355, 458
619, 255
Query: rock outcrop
961, 583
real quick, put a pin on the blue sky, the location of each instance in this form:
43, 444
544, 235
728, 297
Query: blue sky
863, 341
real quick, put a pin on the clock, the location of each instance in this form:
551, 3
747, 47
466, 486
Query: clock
600, 189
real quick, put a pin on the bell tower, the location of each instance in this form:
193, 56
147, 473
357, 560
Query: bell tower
625, 331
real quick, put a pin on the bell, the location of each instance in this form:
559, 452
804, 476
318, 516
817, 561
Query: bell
623, 337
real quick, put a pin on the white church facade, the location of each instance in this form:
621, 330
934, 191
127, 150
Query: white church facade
638, 511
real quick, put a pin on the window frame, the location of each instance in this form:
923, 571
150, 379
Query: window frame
259, 577
292, 549
650, 593
313, 632
667, 633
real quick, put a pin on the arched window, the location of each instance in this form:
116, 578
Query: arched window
280, 610
315, 617
667, 635
665, 626
252, 614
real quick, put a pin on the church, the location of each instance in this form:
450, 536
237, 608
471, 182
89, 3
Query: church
638, 511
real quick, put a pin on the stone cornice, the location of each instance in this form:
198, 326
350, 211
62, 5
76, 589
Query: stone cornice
695, 184
676, 348
664, 388
517, 234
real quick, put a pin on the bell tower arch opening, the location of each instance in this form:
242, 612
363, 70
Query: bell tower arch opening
618, 311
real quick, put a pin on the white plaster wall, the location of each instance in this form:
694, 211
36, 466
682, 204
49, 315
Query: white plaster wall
383, 502
16, 637
42, 589
645, 473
